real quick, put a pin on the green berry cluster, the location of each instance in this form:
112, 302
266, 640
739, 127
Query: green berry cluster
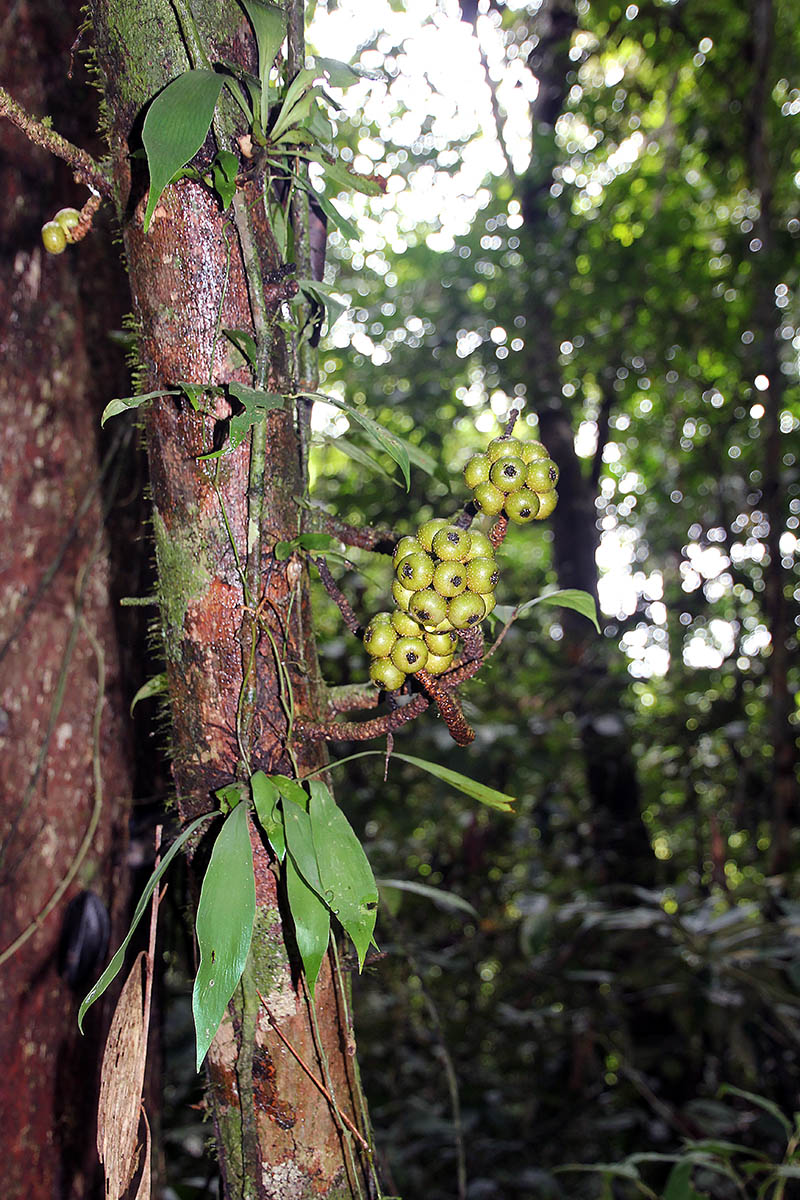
516, 477
57, 233
444, 582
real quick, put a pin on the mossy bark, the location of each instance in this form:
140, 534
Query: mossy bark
277, 1135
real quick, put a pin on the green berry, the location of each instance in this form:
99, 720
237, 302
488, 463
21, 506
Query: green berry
381, 616
466, 610
547, 502
67, 218
384, 674
452, 544
415, 571
542, 475
405, 625
428, 607
477, 470
406, 545
508, 474
450, 578
489, 499
54, 237
482, 575
533, 450
489, 602
410, 654
442, 644
522, 506
401, 595
503, 447
379, 638
480, 546
427, 530
437, 664
445, 626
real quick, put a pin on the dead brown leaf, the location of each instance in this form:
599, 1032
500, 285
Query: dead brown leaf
121, 1079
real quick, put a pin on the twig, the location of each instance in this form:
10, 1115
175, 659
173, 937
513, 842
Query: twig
86, 169
340, 600
363, 537
349, 697
513, 417
449, 709
362, 731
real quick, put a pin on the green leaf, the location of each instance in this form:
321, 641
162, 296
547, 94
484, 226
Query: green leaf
256, 406
341, 74
194, 392
306, 541
761, 1102
573, 598
298, 99
115, 407
229, 796
265, 801
223, 172
312, 922
176, 125
351, 450
113, 968
342, 223
340, 176
244, 342
325, 294
462, 783
377, 433
348, 885
269, 23
224, 926
153, 687
438, 896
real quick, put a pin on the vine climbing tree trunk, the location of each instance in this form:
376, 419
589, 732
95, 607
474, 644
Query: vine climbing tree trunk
238, 641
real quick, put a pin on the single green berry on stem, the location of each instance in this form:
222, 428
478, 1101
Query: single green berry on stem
477, 470
480, 546
482, 575
415, 571
533, 450
443, 644
503, 447
489, 499
54, 237
466, 610
410, 654
508, 474
427, 530
384, 674
522, 506
401, 595
547, 502
452, 544
542, 475
67, 218
437, 664
450, 578
428, 607
379, 637
406, 545
405, 625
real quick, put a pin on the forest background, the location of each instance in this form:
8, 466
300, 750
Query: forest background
575, 982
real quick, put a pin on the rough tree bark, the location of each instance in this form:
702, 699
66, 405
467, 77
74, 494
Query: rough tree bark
55, 603
277, 1136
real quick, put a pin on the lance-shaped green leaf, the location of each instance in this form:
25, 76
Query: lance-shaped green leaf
269, 23
462, 783
312, 922
377, 433
351, 450
244, 342
348, 885
297, 824
224, 925
341, 177
124, 403
574, 598
176, 125
305, 541
265, 801
113, 968
296, 104
153, 687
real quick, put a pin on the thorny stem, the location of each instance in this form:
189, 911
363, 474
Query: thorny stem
87, 171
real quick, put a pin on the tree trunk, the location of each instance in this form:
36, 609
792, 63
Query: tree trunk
58, 656
216, 524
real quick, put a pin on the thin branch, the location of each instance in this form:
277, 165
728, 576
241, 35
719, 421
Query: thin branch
349, 697
363, 537
337, 595
363, 731
85, 168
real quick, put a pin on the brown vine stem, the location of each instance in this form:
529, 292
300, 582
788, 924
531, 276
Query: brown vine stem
85, 168
450, 710
363, 731
340, 600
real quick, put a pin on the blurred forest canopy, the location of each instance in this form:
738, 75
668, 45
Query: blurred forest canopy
628, 276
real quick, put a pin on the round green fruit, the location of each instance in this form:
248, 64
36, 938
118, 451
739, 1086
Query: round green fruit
401, 595
442, 644
428, 607
54, 238
405, 625
450, 578
522, 506
503, 447
406, 545
466, 610
437, 664
477, 470
445, 626
489, 499
384, 674
451, 544
542, 475
482, 575
427, 530
410, 654
379, 638
415, 571
547, 502
533, 450
67, 218
480, 546
489, 602
508, 474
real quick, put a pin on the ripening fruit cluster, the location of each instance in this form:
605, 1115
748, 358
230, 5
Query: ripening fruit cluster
515, 477
57, 233
444, 582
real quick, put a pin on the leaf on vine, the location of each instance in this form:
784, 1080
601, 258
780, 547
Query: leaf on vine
176, 125
152, 687
327, 296
574, 598
265, 801
115, 407
348, 885
380, 437
244, 342
224, 926
359, 456
224, 170
269, 23
297, 102
341, 74
113, 968
305, 541
340, 176
312, 922
256, 405
462, 783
